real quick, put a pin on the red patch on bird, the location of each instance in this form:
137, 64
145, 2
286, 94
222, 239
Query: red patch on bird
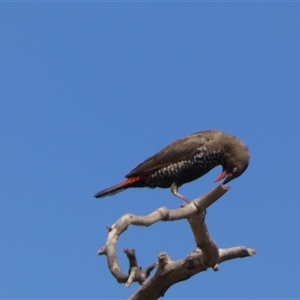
131, 180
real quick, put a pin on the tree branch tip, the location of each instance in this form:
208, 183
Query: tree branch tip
109, 228
216, 267
150, 268
163, 259
128, 283
101, 251
131, 276
162, 208
128, 251
225, 187
163, 256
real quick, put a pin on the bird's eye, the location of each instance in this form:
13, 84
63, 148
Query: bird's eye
234, 170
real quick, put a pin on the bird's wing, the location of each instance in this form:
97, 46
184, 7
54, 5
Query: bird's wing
183, 149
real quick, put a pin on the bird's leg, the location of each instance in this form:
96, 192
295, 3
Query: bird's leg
174, 190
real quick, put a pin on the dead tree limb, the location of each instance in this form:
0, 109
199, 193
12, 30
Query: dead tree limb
170, 272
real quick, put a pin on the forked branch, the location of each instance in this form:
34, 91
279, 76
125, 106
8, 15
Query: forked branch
170, 272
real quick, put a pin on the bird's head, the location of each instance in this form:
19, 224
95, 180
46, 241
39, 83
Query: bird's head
236, 160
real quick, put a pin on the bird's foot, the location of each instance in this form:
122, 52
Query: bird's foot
174, 190
187, 201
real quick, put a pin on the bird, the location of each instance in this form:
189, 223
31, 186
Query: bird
186, 160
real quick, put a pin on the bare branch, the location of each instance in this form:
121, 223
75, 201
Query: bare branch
203, 240
170, 272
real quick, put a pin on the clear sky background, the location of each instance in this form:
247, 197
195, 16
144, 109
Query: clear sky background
90, 90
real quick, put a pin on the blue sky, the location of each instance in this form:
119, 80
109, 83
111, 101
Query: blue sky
90, 90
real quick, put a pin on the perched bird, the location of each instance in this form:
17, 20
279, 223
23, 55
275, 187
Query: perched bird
186, 160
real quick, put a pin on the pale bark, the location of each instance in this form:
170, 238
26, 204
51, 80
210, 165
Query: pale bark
169, 272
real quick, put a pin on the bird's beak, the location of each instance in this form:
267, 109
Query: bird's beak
223, 175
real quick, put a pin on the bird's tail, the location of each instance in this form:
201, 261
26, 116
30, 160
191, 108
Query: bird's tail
130, 182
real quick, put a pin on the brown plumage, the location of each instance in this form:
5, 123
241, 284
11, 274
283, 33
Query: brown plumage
186, 160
